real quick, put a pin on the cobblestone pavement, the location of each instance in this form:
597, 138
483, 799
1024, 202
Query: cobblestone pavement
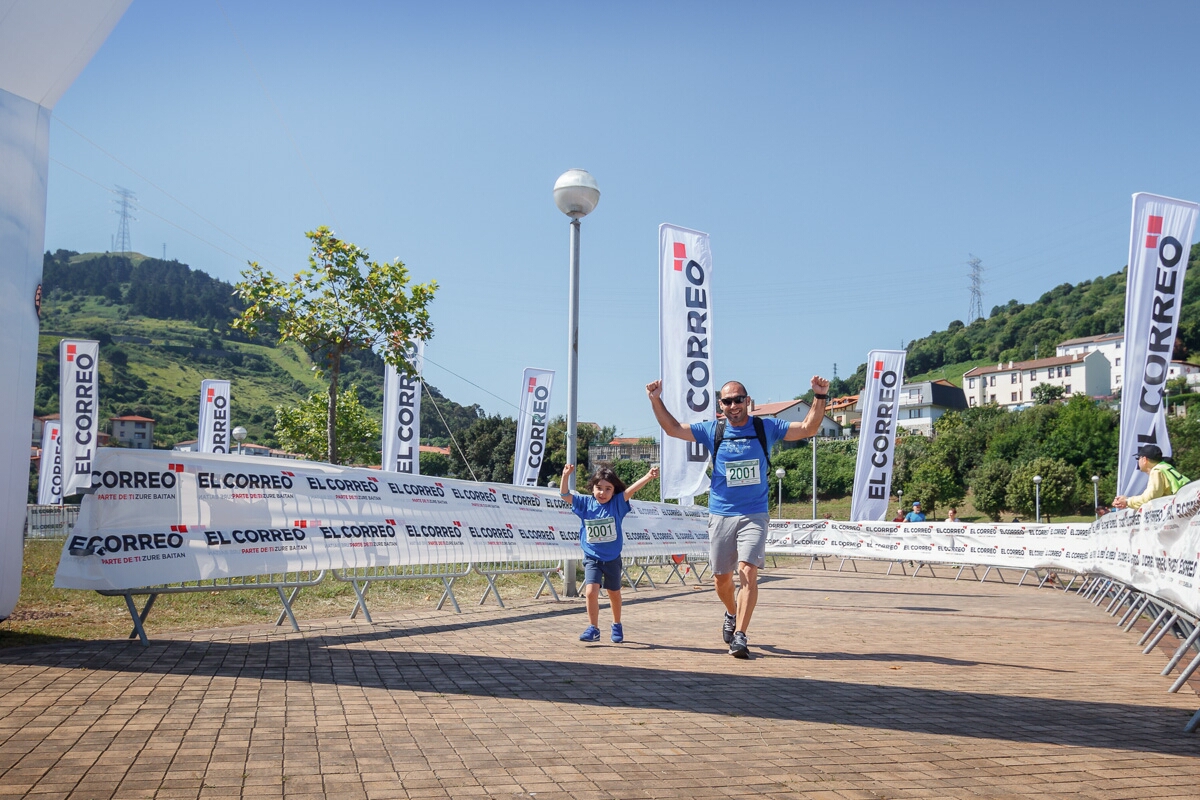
861, 685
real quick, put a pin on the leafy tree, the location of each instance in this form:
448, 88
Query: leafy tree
933, 483
302, 429
1046, 393
489, 446
629, 471
1085, 436
990, 486
332, 309
435, 464
1058, 488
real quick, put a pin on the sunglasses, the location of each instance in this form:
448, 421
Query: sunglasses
735, 400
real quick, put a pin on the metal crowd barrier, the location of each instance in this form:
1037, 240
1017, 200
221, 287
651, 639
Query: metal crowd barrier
361, 579
642, 564
278, 581
494, 570
49, 522
1166, 617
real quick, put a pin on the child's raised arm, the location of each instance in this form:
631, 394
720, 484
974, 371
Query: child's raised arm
640, 483
563, 486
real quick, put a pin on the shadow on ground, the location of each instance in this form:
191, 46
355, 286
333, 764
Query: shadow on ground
351, 659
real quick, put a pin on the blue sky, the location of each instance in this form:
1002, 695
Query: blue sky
846, 159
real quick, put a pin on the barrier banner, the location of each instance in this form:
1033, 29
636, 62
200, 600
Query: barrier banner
532, 422
78, 410
50, 477
685, 354
877, 439
402, 415
214, 417
1160, 239
162, 517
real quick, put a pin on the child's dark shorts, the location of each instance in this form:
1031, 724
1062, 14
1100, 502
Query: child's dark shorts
605, 573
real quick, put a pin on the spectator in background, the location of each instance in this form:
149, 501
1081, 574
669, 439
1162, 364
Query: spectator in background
952, 515
899, 515
1164, 480
916, 515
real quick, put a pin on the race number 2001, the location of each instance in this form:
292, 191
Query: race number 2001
742, 473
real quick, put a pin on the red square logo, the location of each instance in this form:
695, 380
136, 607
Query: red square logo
1155, 225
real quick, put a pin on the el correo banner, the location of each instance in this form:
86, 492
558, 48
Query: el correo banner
685, 354
1159, 242
402, 415
50, 477
214, 417
531, 425
877, 438
160, 517
78, 406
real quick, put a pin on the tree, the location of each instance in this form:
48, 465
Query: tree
333, 308
489, 446
990, 486
302, 429
435, 464
629, 471
1046, 393
1058, 487
933, 483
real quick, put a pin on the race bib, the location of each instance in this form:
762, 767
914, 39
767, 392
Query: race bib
600, 531
742, 473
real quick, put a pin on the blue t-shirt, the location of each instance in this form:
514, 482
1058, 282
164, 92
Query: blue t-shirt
600, 532
738, 486
914, 516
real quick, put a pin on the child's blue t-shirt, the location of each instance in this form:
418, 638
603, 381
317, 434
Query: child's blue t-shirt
740, 485
600, 532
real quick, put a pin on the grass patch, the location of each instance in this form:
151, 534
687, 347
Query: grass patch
45, 615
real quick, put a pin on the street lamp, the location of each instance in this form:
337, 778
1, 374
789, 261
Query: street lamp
900, 499
575, 194
779, 473
1096, 495
1037, 496
239, 433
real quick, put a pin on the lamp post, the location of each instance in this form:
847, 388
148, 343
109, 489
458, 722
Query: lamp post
1096, 495
900, 499
575, 194
1037, 496
779, 473
239, 433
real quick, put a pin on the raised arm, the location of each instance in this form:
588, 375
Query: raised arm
671, 426
564, 490
812, 422
640, 483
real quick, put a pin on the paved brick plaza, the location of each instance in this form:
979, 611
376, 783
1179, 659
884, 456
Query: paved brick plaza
862, 686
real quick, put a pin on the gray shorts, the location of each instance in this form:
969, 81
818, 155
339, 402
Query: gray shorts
734, 539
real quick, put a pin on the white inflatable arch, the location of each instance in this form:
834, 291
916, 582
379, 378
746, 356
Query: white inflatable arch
44, 45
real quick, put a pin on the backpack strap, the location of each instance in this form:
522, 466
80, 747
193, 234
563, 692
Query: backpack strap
718, 436
760, 430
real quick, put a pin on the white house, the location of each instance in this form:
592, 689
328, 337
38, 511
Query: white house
919, 404
1110, 344
796, 411
1011, 385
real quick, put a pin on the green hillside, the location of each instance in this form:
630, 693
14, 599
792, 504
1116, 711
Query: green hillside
163, 328
1019, 331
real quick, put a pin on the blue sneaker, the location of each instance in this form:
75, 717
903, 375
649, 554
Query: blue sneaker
618, 635
592, 634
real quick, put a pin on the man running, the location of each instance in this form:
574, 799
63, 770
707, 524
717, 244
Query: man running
737, 499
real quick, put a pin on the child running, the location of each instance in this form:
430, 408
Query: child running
601, 537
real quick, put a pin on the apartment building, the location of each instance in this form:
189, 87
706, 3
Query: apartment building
1011, 385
